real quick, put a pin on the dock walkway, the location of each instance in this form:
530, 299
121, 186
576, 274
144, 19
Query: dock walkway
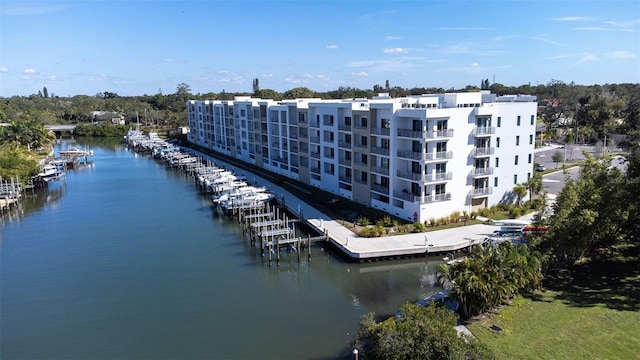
367, 249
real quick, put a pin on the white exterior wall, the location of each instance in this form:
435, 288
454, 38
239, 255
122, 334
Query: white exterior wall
430, 143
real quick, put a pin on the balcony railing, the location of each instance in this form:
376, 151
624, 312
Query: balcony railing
440, 155
380, 170
413, 155
344, 144
344, 127
409, 175
315, 170
346, 179
344, 162
413, 134
439, 176
380, 151
360, 164
315, 139
315, 155
483, 151
480, 192
437, 198
380, 189
445, 133
381, 131
483, 171
361, 146
484, 130
406, 196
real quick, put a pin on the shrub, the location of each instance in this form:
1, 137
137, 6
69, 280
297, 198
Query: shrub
418, 227
432, 222
363, 221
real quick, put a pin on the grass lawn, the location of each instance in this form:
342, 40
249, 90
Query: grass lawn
589, 312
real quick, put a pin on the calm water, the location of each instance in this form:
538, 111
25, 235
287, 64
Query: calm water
129, 261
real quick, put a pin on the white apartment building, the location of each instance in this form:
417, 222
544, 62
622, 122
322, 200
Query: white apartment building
415, 157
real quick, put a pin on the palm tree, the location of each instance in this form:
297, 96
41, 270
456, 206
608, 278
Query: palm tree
534, 184
521, 191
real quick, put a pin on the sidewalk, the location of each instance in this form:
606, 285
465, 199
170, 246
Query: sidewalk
360, 248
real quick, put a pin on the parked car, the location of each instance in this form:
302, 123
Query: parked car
541, 167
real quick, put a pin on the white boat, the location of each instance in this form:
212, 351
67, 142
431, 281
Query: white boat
75, 151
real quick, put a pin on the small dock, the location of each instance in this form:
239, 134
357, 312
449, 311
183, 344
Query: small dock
269, 228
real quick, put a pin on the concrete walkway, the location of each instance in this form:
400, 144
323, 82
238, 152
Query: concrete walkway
360, 248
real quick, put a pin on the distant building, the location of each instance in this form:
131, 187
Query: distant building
415, 157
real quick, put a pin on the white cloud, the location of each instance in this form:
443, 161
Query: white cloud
475, 64
462, 28
389, 38
99, 78
4, 69
29, 71
545, 40
175, 61
622, 54
361, 74
332, 46
398, 50
505, 37
602, 29
585, 58
573, 18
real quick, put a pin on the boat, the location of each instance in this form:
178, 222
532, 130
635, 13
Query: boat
75, 151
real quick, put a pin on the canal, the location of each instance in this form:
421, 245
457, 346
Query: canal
128, 260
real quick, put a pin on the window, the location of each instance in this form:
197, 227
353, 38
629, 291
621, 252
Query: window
515, 179
499, 118
517, 140
497, 161
495, 181
529, 159
518, 123
497, 142
532, 119
516, 159
441, 189
530, 139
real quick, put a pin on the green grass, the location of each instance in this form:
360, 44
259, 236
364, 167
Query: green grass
589, 312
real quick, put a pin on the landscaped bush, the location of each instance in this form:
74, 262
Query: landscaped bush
418, 227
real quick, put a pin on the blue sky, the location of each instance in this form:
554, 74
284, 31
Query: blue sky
141, 47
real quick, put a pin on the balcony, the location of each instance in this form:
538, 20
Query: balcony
482, 171
484, 130
380, 170
342, 127
381, 131
481, 192
412, 134
406, 196
408, 154
361, 146
345, 162
440, 134
361, 165
379, 188
315, 155
344, 144
380, 151
482, 151
315, 139
409, 175
440, 155
346, 179
439, 176
437, 198
315, 170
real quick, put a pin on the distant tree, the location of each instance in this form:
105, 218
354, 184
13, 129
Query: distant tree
557, 157
386, 85
418, 332
269, 94
299, 92
45, 92
183, 89
39, 93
